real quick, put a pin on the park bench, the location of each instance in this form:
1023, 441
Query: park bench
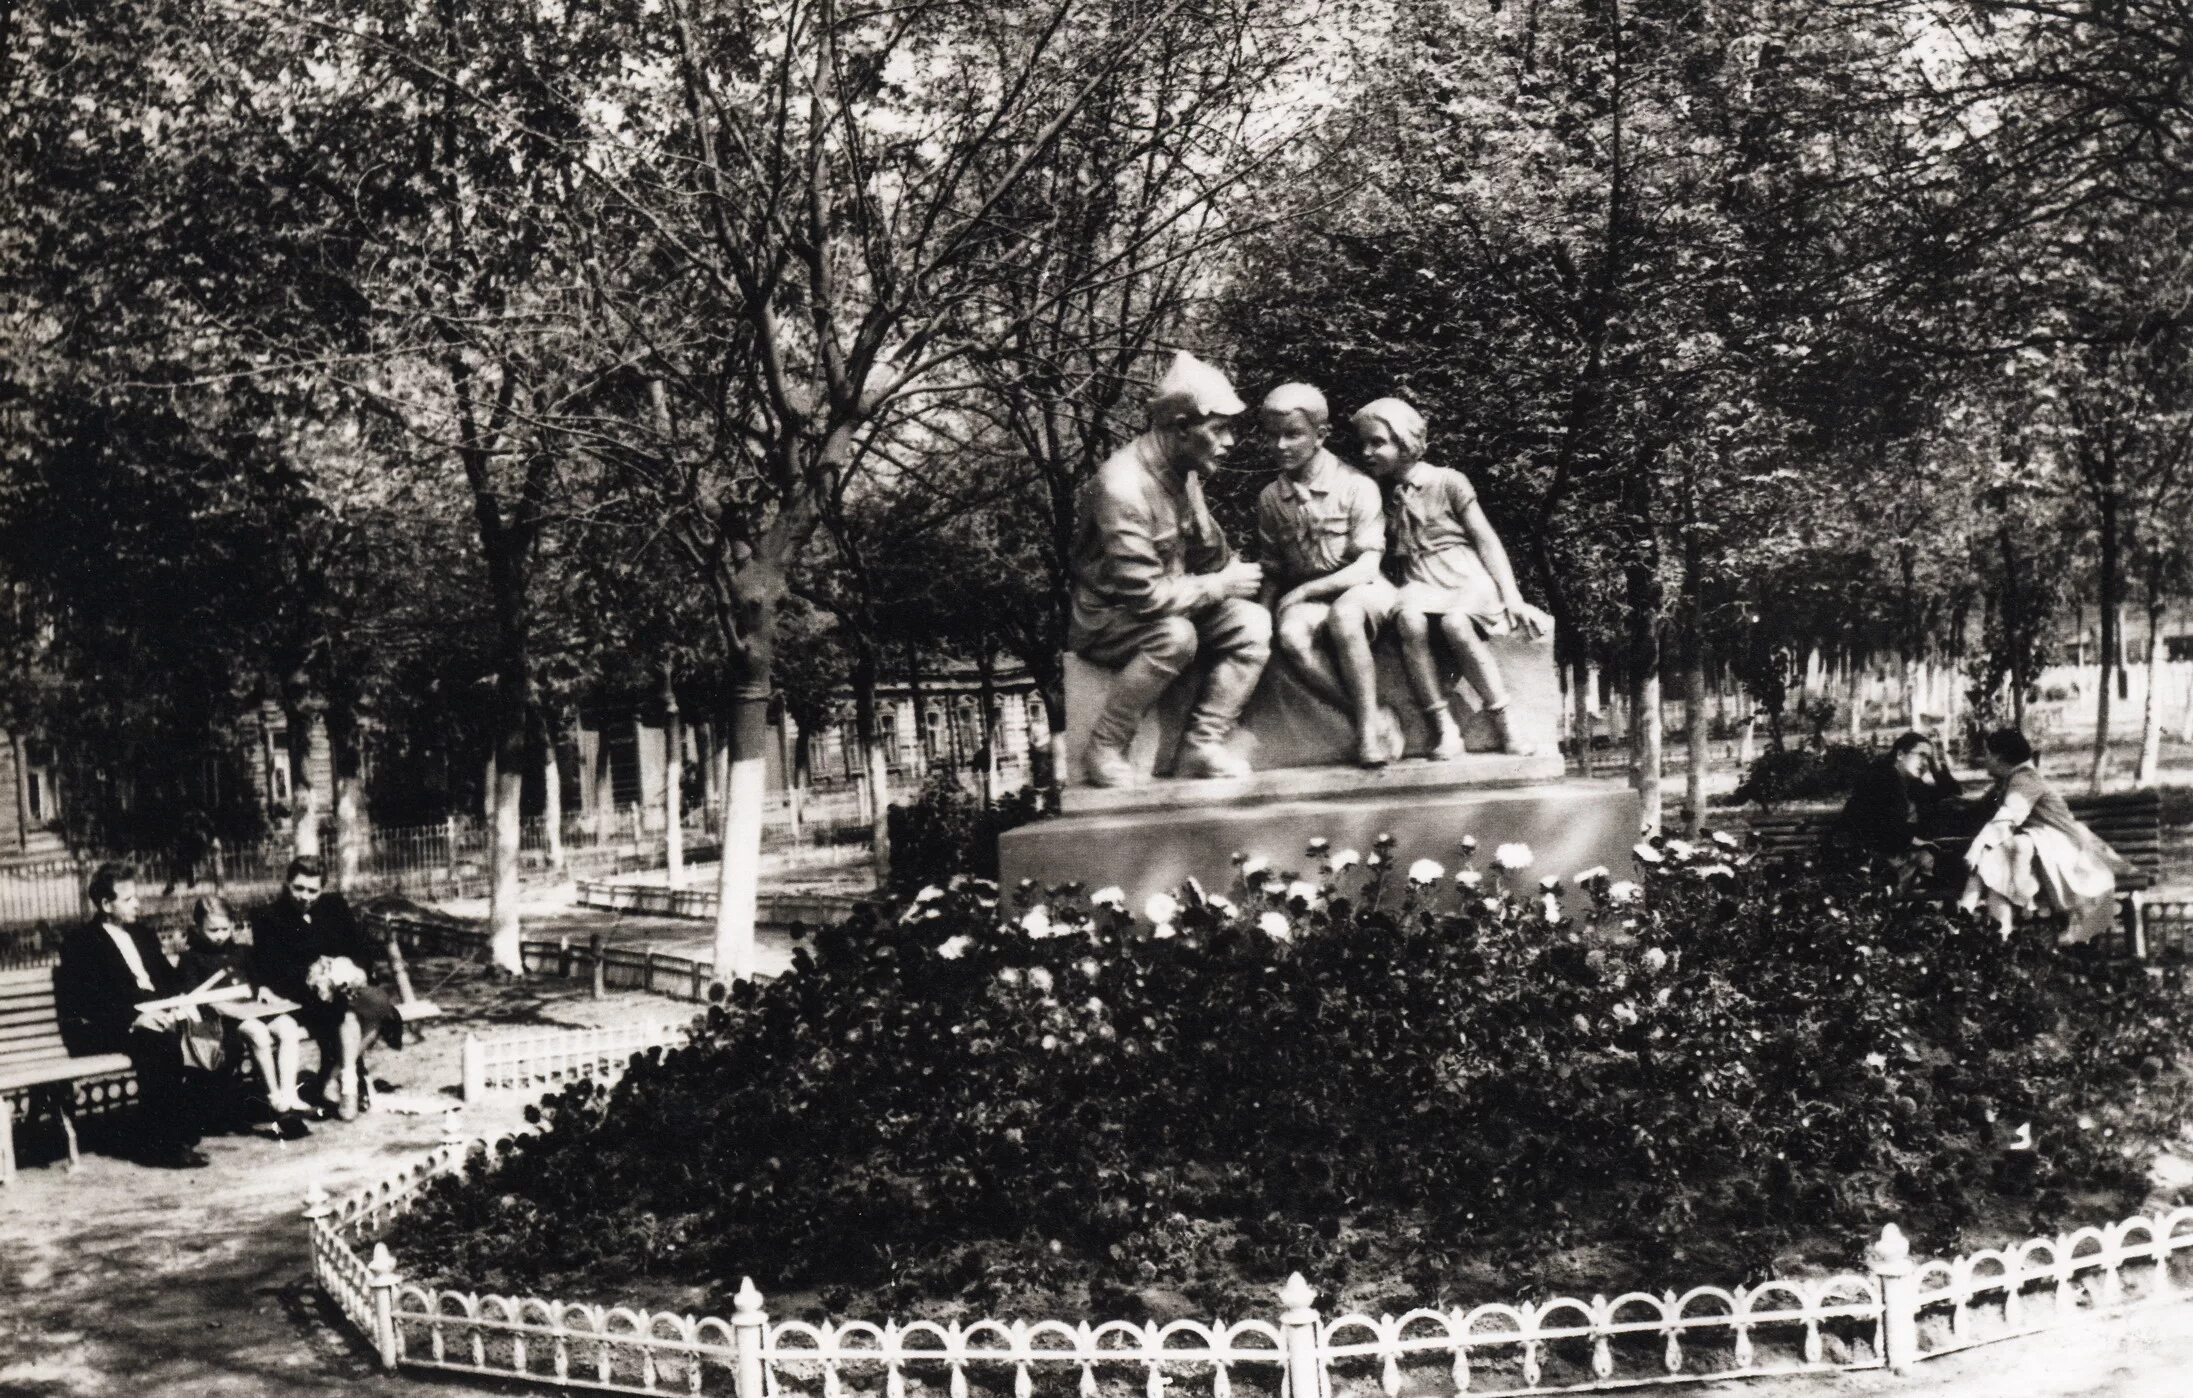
2130, 821
37, 1070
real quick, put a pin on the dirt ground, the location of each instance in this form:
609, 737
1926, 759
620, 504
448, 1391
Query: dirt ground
121, 1280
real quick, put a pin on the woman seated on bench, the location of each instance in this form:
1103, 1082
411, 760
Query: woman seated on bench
2033, 854
274, 1040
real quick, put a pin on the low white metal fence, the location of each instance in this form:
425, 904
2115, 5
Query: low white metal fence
1895, 1315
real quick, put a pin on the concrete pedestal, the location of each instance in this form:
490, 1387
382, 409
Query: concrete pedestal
1569, 825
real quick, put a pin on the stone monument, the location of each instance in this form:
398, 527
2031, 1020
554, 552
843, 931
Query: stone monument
1172, 794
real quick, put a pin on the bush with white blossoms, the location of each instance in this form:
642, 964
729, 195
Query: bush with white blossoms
1051, 1100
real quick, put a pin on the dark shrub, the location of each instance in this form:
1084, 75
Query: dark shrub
1371, 1072
1803, 774
944, 832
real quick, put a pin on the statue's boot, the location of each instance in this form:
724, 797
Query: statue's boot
1136, 686
1503, 736
1240, 640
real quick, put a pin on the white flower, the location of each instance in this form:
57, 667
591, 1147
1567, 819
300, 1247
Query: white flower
1624, 1013
1726, 841
929, 893
1621, 891
1469, 844
1319, 845
1710, 871
1037, 922
1581, 1024
1513, 856
1876, 1060
1551, 883
1654, 959
1223, 904
1039, 980
1491, 905
1094, 1006
1551, 907
1346, 859
1110, 896
1050, 1041
1255, 864
1469, 878
1162, 907
1426, 871
953, 948
1596, 871
1308, 892
1088, 967
1273, 884
1647, 852
1275, 924
1681, 849
1163, 930
1009, 976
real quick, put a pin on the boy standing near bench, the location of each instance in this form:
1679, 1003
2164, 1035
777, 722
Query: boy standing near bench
1323, 528
109, 966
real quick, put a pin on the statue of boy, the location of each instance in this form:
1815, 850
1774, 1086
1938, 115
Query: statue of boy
1454, 573
1156, 587
1323, 530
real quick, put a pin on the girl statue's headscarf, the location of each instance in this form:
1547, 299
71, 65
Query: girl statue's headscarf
1404, 422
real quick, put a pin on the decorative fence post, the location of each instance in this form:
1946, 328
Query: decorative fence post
749, 1333
381, 1278
474, 1072
1890, 1260
1298, 1327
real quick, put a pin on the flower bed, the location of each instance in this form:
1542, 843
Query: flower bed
1414, 1083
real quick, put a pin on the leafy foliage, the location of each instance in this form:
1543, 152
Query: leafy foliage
944, 832
1803, 774
1381, 1079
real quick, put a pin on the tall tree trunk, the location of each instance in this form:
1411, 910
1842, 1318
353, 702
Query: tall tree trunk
738, 876
1580, 700
347, 761
875, 762
2112, 649
304, 797
673, 785
514, 701
1694, 723
2151, 711
986, 691
551, 793
1857, 699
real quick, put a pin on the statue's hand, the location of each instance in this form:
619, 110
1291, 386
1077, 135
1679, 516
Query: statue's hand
1239, 579
1529, 619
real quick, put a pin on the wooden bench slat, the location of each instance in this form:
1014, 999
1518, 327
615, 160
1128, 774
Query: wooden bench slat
19, 1033
14, 1077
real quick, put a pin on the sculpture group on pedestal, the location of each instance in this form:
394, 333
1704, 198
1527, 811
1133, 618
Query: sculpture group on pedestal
1400, 548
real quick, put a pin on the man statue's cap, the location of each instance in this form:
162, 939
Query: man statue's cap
1192, 389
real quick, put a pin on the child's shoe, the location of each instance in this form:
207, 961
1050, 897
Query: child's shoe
1446, 733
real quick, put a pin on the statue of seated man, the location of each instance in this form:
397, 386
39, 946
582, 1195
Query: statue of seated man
1322, 526
1157, 589
1454, 574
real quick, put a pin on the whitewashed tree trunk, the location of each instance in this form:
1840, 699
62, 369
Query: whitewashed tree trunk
878, 766
1915, 683
552, 803
738, 876
673, 793
304, 797
1857, 700
2151, 711
1694, 726
502, 898
349, 827
1746, 736
1648, 752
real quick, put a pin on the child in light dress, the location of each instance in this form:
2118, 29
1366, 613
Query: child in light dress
1454, 574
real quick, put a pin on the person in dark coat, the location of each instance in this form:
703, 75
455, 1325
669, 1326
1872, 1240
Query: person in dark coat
299, 928
1897, 809
109, 966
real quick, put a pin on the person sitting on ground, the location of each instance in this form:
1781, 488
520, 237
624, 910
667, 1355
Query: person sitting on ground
274, 1041
1323, 529
2033, 855
109, 967
1453, 570
1894, 811
292, 936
